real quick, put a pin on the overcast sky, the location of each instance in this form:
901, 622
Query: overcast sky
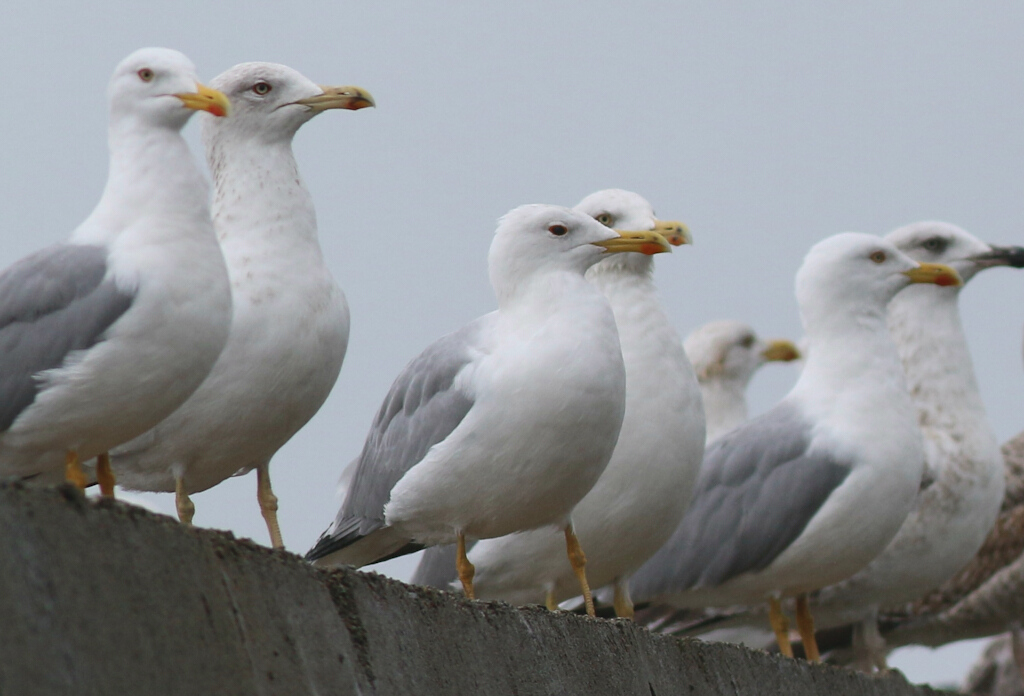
765, 127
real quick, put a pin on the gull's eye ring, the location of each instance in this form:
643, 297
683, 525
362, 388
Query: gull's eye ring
878, 257
262, 88
558, 230
747, 341
605, 219
146, 75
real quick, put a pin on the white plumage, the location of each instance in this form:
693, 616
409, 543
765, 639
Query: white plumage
645, 490
116, 328
290, 327
778, 496
725, 355
506, 424
964, 480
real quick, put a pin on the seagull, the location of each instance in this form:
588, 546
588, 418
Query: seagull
725, 355
808, 493
642, 495
964, 482
105, 334
983, 598
289, 332
505, 424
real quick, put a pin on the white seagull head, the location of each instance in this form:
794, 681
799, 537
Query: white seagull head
158, 87
270, 102
536, 239
853, 274
626, 211
941, 242
730, 351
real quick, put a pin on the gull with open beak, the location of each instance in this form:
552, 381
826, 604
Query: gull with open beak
507, 423
642, 495
289, 332
106, 334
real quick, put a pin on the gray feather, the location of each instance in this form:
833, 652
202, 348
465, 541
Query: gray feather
52, 303
437, 568
422, 409
758, 489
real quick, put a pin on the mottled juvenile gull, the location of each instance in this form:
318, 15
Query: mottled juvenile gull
725, 355
104, 335
963, 483
505, 424
809, 492
289, 332
642, 495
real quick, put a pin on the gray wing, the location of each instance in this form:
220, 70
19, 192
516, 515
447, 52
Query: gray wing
422, 409
437, 568
758, 489
52, 302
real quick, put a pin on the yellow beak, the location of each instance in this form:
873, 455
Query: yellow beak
646, 242
780, 350
206, 99
346, 97
935, 273
675, 233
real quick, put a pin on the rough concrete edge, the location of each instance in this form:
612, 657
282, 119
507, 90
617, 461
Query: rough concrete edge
342, 585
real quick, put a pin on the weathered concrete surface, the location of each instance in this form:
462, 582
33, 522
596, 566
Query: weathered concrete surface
102, 598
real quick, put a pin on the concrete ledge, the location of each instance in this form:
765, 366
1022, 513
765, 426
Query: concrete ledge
107, 599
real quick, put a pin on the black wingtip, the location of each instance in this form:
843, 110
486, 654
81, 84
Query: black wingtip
317, 552
327, 545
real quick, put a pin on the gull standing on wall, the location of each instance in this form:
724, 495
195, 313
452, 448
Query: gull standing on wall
290, 327
106, 334
964, 481
808, 493
642, 495
725, 355
505, 424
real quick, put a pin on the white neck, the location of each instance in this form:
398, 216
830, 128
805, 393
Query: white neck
645, 333
624, 267
542, 294
259, 194
152, 174
849, 349
617, 280
925, 323
725, 405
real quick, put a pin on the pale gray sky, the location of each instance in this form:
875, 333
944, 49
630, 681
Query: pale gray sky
764, 126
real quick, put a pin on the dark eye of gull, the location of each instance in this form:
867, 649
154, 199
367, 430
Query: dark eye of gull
261, 88
605, 219
935, 244
558, 230
747, 341
146, 75
878, 257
